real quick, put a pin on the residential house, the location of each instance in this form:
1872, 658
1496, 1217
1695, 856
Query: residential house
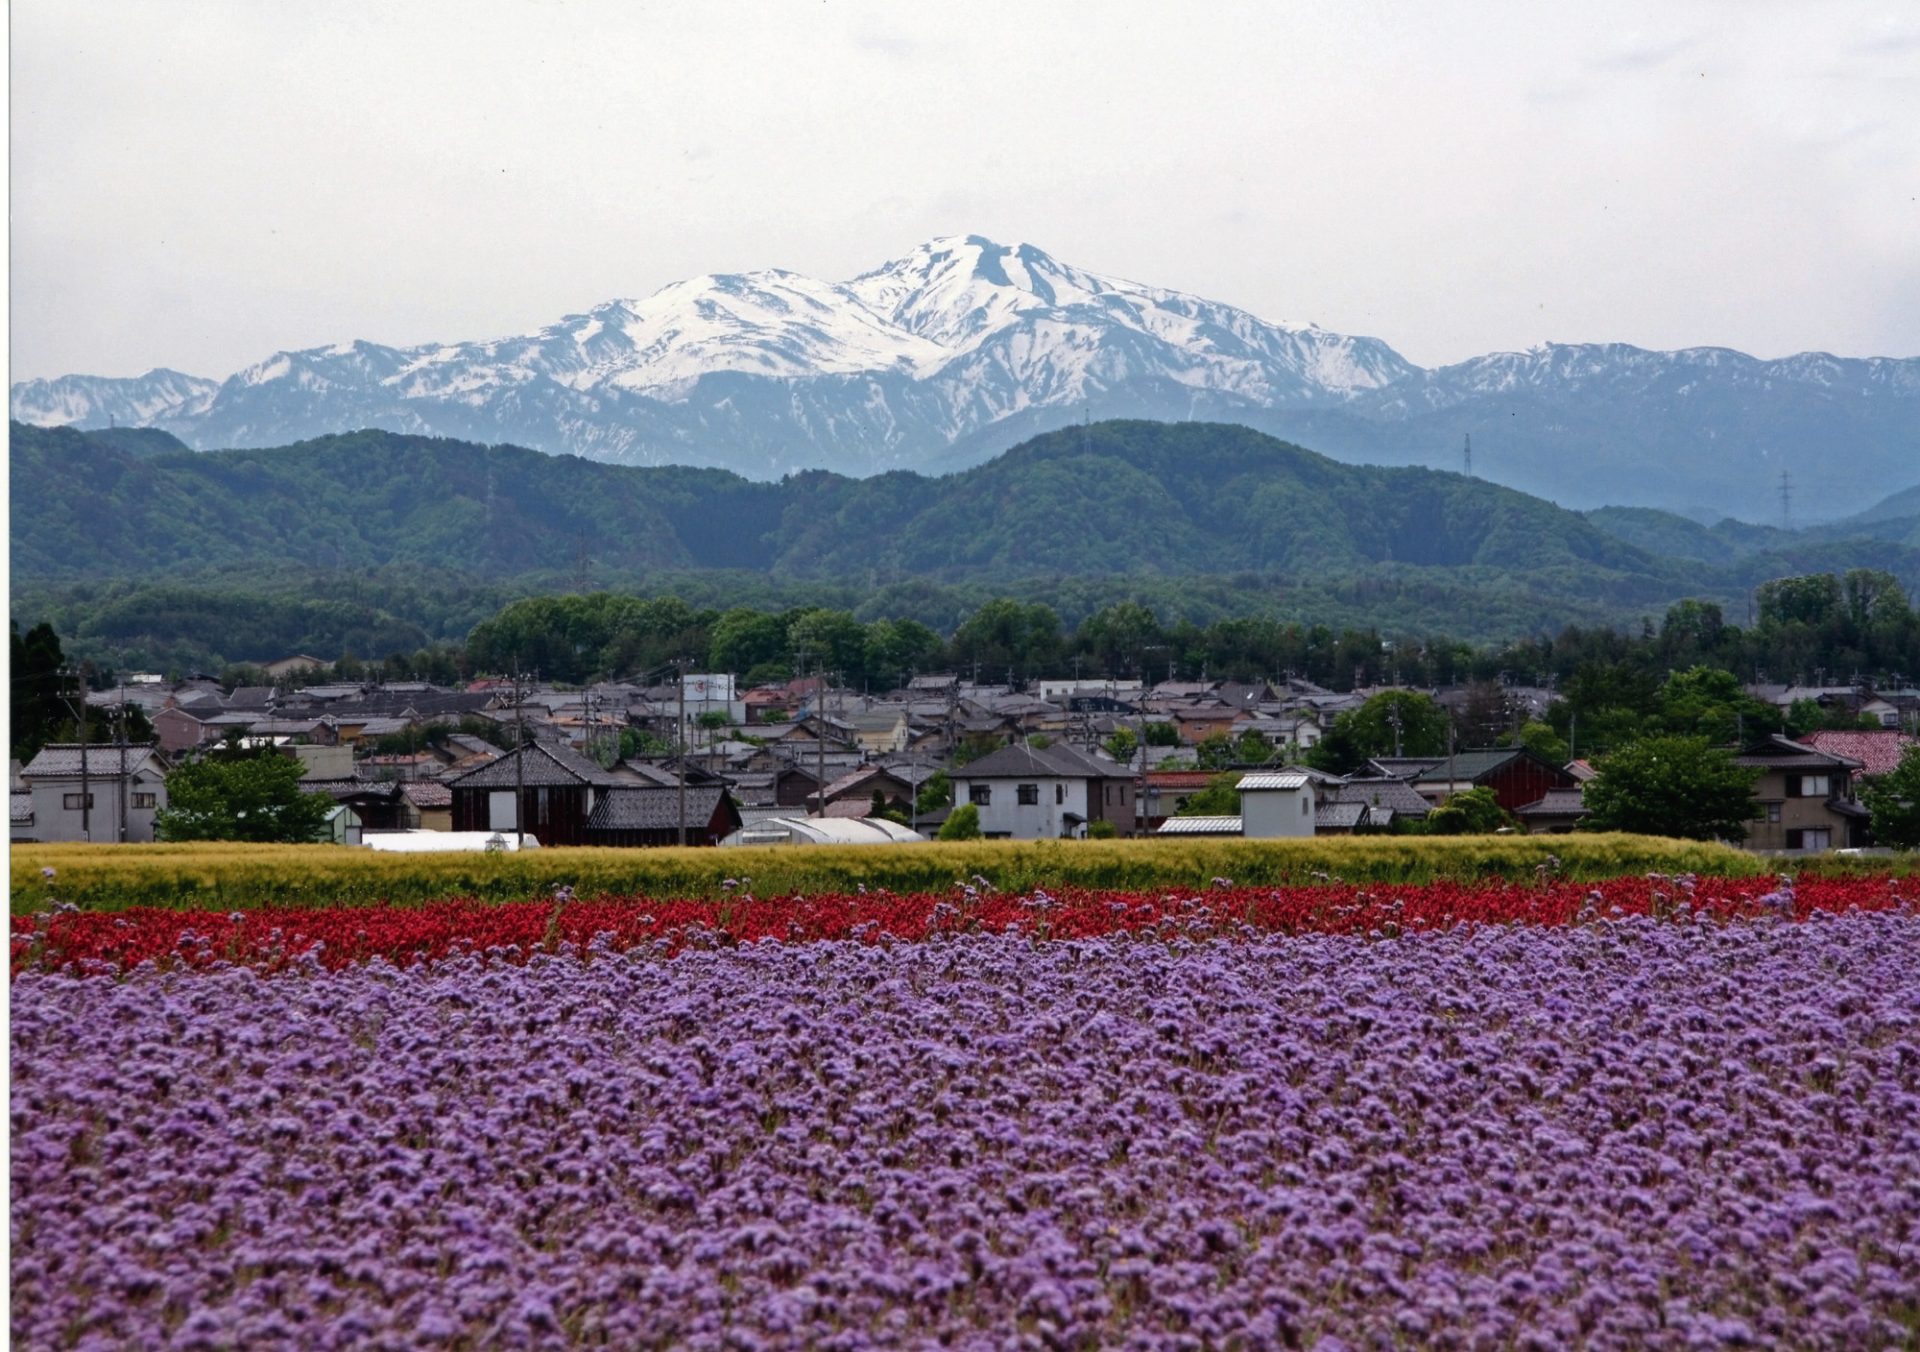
859, 786
429, 803
546, 790
1806, 798
1517, 776
287, 666
1201, 721
1386, 801
1025, 792
879, 732
1165, 792
178, 729
99, 792
378, 806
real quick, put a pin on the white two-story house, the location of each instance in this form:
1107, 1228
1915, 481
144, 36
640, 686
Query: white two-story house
1045, 793
80, 793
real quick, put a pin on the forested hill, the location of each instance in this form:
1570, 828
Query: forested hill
1114, 498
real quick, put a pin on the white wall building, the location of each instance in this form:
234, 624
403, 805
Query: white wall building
78, 792
1030, 793
1275, 805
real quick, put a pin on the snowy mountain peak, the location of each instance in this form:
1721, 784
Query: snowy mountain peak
966, 345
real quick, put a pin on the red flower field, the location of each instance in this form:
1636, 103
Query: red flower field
272, 939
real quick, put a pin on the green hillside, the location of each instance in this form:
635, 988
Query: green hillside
1118, 498
374, 542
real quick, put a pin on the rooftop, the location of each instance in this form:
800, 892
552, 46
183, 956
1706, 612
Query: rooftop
61, 760
1201, 826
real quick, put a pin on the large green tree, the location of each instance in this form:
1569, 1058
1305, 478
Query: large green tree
255, 797
1672, 786
37, 687
1894, 801
1370, 731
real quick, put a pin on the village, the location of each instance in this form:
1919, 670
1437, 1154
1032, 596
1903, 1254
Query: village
695, 759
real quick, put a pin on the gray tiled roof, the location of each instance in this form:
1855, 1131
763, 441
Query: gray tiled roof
427, 793
547, 763
1556, 803
649, 808
1394, 794
1781, 753
1467, 765
1057, 761
20, 807
1330, 815
58, 760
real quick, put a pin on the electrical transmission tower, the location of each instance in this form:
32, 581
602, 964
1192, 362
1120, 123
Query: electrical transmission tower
1786, 501
1469, 455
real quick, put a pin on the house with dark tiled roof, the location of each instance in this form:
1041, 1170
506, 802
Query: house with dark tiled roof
1806, 798
1385, 800
1516, 776
543, 788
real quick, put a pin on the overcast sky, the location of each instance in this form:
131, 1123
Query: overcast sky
197, 185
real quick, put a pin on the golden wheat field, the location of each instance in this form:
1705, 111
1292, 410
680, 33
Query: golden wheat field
236, 876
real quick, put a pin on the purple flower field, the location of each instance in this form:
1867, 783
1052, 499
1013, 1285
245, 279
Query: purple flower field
1624, 1135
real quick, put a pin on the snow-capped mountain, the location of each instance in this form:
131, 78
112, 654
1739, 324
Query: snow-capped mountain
964, 347
97, 401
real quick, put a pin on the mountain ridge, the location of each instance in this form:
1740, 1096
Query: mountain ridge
963, 347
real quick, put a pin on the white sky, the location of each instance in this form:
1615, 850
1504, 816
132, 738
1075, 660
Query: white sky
198, 184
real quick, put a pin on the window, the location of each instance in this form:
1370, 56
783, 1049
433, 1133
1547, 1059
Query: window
1027, 795
146, 800
1772, 811
1059, 794
542, 805
980, 795
72, 800
1808, 786
1813, 838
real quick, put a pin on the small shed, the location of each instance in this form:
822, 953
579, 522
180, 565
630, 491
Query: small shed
1276, 804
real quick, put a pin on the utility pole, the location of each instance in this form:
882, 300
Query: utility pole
680, 722
1393, 717
86, 782
120, 736
519, 761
